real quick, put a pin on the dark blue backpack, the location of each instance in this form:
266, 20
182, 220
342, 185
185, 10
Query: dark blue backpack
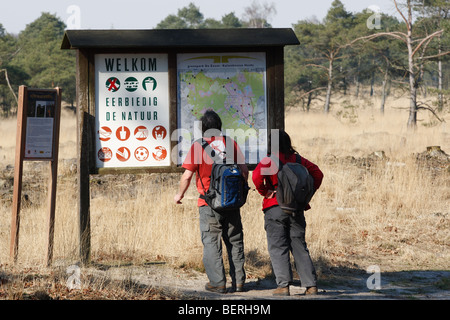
228, 188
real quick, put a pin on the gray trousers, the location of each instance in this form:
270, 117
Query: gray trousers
214, 227
285, 235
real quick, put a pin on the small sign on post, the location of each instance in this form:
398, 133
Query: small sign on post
37, 139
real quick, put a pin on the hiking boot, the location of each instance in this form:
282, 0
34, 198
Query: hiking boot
311, 291
219, 289
281, 291
239, 287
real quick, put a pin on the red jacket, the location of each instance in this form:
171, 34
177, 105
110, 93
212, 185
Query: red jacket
268, 170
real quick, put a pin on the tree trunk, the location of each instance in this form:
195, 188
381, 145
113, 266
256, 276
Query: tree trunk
345, 86
440, 96
412, 120
372, 82
357, 87
357, 78
330, 84
308, 104
383, 88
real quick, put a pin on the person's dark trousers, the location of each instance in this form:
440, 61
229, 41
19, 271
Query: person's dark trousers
214, 227
286, 234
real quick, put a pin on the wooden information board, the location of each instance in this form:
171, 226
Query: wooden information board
140, 94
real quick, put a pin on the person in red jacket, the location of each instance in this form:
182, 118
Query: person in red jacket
285, 232
215, 226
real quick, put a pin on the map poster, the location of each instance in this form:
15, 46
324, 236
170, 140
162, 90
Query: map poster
234, 86
132, 110
40, 111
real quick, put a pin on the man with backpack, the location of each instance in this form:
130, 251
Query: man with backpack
211, 155
280, 179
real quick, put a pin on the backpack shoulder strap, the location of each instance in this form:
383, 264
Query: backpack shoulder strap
209, 151
203, 143
205, 147
298, 159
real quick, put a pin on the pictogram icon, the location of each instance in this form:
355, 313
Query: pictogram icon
123, 154
113, 84
141, 154
160, 153
131, 84
104, 154
105, 133
149, 83
123, 133
141, 133
159, 132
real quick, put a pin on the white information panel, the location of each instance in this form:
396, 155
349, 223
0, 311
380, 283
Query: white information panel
132, 110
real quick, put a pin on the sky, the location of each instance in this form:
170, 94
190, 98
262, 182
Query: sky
146, 14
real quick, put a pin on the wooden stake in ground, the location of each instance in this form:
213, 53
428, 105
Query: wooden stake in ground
18, 169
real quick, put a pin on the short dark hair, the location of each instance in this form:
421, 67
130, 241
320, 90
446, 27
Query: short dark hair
211, 120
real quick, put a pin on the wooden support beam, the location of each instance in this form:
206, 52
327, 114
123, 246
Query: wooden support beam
18, 170
84, 142
53, 179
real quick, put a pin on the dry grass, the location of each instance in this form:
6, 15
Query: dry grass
393, 212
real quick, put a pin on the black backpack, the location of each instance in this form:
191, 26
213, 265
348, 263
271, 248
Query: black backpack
295, 185
228, 188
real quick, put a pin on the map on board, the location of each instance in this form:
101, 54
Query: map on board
231, 84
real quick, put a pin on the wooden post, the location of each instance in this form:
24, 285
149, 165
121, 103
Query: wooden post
278, 85
275, 89
18, 170
84, 152
53, 180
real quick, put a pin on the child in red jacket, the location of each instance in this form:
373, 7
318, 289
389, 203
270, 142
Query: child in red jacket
285, 232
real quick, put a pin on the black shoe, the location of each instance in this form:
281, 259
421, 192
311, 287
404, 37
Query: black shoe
220, 289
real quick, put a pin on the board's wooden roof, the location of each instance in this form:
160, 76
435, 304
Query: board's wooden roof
176, 38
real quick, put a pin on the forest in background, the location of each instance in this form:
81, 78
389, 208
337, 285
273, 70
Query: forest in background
340, 54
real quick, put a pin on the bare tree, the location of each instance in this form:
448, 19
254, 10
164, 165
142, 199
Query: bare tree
436, 12
417, 48
258, 15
